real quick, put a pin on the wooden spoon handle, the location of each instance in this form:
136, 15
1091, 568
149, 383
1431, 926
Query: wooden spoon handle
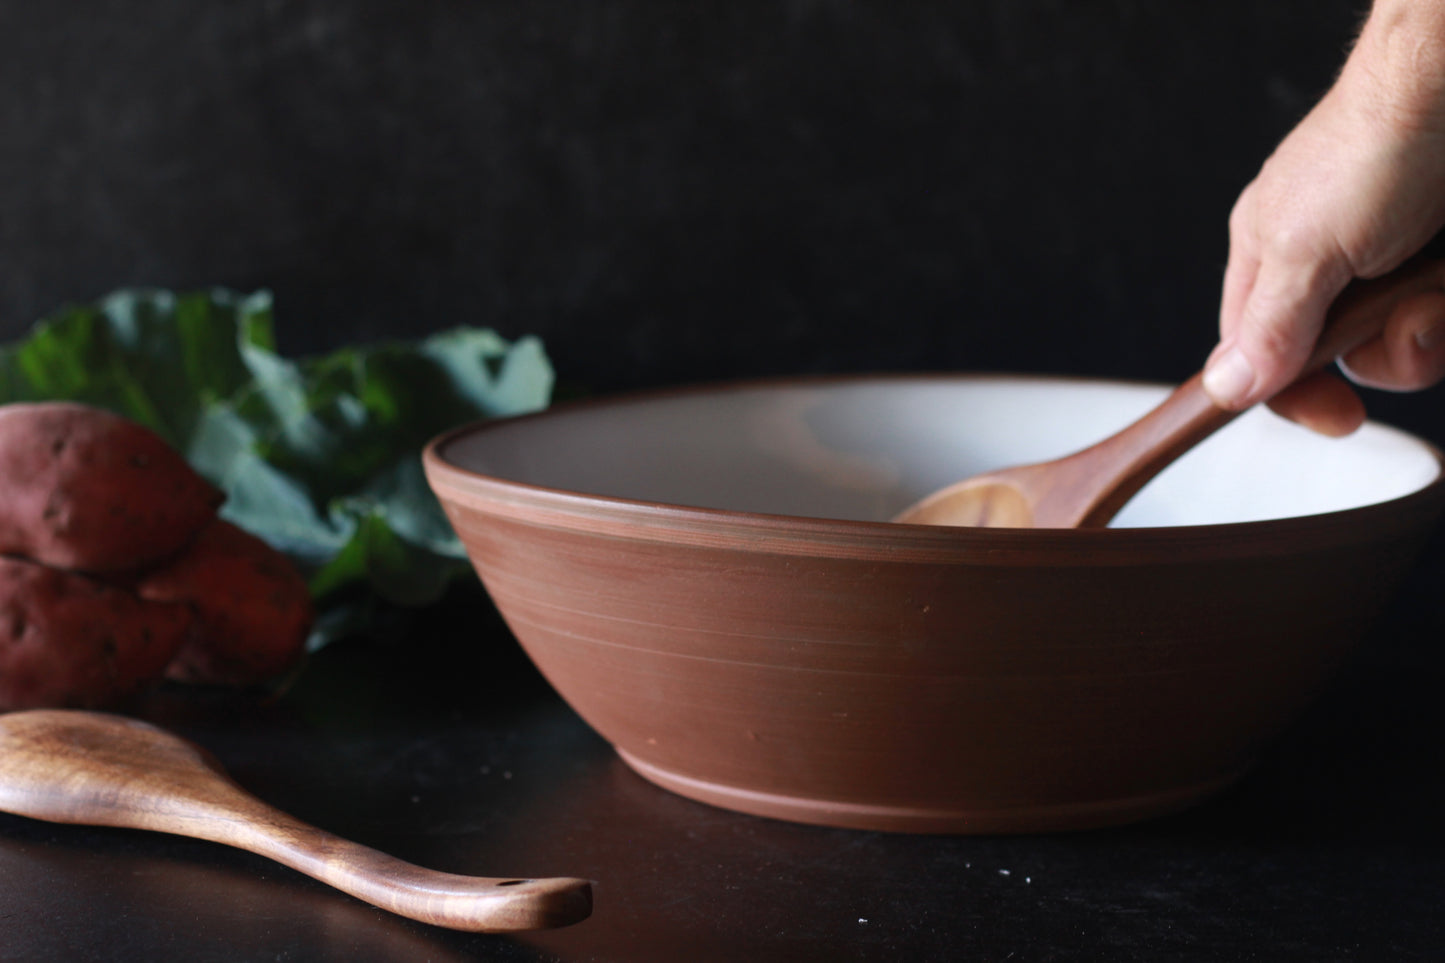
473, 903
1125, 462
1189, 415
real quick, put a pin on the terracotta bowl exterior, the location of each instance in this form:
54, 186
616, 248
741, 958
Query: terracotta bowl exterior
847, 671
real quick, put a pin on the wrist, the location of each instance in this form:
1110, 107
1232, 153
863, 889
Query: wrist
1396, 70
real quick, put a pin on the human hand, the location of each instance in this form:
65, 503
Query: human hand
1353, 191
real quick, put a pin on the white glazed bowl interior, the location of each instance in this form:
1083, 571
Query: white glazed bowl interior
863, 449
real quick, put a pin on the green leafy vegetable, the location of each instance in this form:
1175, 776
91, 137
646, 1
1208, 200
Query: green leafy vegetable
319, 457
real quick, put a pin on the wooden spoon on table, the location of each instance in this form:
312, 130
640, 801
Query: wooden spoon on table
68, 766
1088, 488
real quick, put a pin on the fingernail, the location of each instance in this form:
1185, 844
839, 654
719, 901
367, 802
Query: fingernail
1229, 377
1432, 337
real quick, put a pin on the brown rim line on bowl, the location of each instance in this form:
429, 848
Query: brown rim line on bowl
706, 577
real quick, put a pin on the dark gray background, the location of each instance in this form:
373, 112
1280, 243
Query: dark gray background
669, 192
666, 192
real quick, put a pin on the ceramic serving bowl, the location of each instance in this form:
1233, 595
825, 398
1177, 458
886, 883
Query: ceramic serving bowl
707, 577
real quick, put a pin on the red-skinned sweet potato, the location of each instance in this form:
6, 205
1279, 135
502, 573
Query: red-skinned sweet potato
85, 489
252, 607
70, 640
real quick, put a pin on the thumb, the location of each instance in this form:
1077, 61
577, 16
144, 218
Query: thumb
1278, 325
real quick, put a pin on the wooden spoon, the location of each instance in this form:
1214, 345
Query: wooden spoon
1088, 488
95, 769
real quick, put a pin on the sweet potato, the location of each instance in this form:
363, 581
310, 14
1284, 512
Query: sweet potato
252, 608
70, 640
85, 489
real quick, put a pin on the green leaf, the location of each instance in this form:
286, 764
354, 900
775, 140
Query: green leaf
396, 569
153, 356
318, 456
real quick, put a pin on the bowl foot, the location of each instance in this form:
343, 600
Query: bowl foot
1048, 817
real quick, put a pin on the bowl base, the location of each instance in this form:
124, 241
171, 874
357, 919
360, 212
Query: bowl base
1051, 817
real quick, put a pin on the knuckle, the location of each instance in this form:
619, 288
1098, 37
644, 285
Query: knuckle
1414, 369
1414, 361
1293, 244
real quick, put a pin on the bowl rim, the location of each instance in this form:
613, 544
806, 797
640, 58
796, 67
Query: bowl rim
637, 519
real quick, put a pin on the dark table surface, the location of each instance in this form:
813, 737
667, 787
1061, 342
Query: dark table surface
445, 748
